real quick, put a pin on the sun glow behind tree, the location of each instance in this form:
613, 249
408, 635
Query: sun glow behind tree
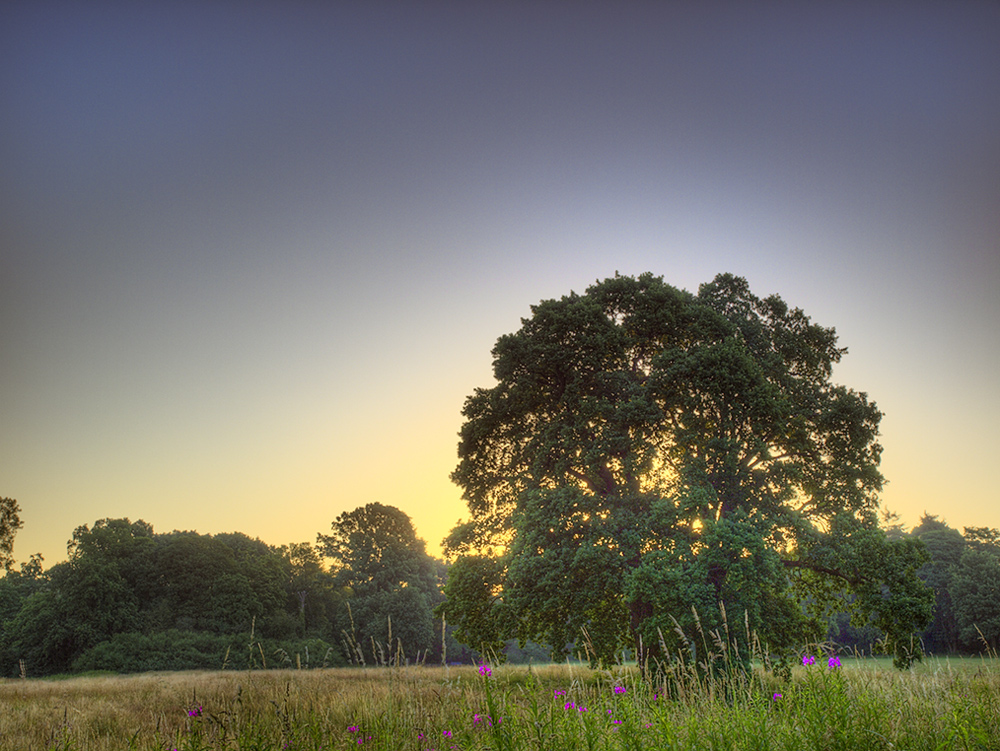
647, 452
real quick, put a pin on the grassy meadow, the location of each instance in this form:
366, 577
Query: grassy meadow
864, 703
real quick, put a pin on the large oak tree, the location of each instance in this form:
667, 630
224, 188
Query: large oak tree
648, 455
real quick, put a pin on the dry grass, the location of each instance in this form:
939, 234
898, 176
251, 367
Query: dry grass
944, 704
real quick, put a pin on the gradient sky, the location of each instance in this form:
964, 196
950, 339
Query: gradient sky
254, 256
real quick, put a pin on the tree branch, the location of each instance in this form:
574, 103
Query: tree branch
852, 580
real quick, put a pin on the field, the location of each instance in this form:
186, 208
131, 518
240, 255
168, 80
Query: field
941, 704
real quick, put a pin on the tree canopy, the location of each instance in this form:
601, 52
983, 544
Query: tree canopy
391, 579
647, 452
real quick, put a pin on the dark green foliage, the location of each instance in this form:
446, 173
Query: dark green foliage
210, 586
129, 599
852, 638
124, 585
647, 452
17, 586
945, 546
311, 593
375, 549
389, 579
193, 650
964, 572
10, 522
165, 650
975, 590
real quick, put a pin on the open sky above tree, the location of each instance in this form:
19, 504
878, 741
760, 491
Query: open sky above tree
252, 256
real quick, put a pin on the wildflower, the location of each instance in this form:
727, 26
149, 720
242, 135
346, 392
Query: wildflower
581, 709
484, 670
352, 729
446, 733
775, 696
619, 689
833, 662
558, 692
195, 711
569, 705
617, 722
808, 660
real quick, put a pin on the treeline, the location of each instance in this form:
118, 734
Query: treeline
130, 599
964, 572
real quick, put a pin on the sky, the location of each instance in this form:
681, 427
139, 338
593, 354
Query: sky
254, 256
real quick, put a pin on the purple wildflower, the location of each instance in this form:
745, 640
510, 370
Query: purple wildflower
808, 660
833, 662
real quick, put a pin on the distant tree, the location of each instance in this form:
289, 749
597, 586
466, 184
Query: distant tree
945, 547
928, 523
83, 603
375, 548
263, 568
311, 592
17, 586
204, 587
128, 548
646, 451
378, 556
40, 634
15, 589
99, 591
10, 523
122, 584
892, 525
983, 538
975, 591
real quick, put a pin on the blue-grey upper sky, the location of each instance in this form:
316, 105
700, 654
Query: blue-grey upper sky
254, 256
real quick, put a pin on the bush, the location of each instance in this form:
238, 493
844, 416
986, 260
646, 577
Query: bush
194, 650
